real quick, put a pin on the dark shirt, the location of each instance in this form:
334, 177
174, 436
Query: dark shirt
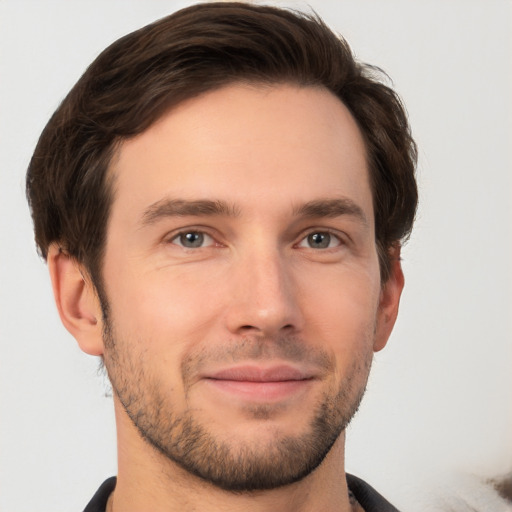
367, 496
99, 500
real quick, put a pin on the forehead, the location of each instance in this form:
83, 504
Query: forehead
252, 146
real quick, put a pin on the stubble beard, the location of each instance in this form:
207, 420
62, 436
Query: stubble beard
235, 467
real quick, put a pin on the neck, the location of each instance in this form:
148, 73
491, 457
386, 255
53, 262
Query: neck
149, 481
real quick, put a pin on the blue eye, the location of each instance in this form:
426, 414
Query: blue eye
320, 240
193, 239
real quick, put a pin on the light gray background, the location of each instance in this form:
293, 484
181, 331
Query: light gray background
439, 399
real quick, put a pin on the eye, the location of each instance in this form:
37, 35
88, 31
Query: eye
192, 239
320, 240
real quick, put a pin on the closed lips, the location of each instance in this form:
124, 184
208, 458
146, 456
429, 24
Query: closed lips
260, 374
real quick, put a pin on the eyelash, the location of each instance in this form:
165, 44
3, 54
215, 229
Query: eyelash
201, 231
328, 232
176, 236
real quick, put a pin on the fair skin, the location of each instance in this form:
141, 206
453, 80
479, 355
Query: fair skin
244, 292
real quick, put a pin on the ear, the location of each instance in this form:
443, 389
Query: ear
76, 299
389, 300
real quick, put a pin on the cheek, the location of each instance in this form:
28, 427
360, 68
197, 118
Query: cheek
164, 307
157, 318
340, 308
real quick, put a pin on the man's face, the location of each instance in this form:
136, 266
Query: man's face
243, 282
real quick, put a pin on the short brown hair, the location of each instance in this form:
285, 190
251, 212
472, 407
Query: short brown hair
139, 77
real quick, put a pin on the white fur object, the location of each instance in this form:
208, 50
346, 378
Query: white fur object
469, 493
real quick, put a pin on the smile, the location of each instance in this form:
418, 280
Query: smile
260, 384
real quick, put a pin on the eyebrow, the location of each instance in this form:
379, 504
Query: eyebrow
181, 208
331, 208
205, 207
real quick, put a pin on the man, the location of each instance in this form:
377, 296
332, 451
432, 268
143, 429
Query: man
221, 200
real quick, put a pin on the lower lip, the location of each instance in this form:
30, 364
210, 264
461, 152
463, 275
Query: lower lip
260, 391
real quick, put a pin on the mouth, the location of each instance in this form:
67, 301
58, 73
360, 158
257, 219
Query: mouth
259, 383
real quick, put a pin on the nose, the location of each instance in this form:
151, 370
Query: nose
264, 298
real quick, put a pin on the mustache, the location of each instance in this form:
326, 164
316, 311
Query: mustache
256, 349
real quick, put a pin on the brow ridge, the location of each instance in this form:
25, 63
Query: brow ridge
335, 207
181, 208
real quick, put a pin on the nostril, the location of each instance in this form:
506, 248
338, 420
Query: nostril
286, 327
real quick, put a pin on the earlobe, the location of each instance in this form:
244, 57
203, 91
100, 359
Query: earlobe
389, 301
76, 300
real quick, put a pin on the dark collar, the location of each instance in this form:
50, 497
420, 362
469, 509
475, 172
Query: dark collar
366, 495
